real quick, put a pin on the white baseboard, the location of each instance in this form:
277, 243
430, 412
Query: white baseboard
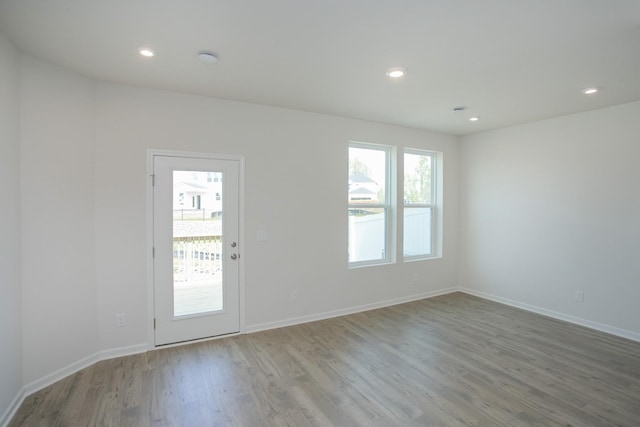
13, 408
61, 373
624, 333
123, 351
81, 364
344, 311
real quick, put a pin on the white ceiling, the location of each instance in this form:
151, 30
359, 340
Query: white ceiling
507, 61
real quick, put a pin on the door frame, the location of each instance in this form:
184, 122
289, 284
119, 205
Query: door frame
149, 243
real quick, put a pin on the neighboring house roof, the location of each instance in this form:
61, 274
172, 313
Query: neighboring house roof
361, 191
360, 178
196, 187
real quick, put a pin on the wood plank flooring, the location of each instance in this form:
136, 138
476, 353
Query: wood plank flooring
454, 360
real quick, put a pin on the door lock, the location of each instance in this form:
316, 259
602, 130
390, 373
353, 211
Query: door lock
234, 244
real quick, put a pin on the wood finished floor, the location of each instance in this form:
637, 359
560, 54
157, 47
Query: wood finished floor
454, 360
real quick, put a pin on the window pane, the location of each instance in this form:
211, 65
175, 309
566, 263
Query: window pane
417, 179
417, 231
197, 244
367, 234
367, 172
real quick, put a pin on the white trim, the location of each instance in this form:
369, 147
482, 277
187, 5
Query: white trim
624, 333
389, 205
13, 408
436, 205
122, 351
196, 341
241, 274
83, 363
149, 247
345, 311
64, 372
193, 155
241, 243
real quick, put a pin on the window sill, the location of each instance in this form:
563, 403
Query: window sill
364, 264
421, 258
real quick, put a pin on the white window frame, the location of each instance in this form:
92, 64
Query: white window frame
435, 202
389, 205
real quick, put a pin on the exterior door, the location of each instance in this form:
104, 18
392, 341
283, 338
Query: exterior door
196, 253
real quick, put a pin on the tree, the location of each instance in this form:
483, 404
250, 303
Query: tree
358, 166
417, 183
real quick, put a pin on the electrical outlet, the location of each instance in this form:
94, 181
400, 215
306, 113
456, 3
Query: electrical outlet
120, 320
415, 277
579, 296
294, 295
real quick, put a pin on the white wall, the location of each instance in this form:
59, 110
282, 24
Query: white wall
57, 134
552, 207
290, 155
10, 290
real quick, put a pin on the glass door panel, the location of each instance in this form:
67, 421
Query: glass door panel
197, 243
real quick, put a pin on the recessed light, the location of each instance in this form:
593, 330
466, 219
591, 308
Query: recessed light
207, 57
474, 119
147, 52
590, 91
396, 72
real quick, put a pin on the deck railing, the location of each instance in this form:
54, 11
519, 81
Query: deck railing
195, 214
196, 258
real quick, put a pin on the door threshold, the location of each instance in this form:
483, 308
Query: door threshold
198, 340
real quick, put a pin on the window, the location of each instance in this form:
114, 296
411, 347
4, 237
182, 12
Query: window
373, 203
419, 204
369, 204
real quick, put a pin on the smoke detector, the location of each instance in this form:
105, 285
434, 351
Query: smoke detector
207, 57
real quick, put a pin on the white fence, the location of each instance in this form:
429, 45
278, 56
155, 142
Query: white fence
367, 235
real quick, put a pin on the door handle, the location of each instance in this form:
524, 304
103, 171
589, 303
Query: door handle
234, 256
